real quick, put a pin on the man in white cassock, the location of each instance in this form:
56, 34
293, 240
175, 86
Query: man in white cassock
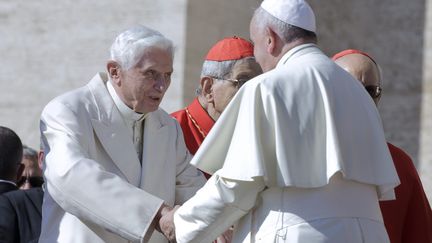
296, 157
115, 162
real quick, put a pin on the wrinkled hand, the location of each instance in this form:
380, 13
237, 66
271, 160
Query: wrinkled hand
165, 225
226, 237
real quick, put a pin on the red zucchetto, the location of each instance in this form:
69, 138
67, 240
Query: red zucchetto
230, 48
351, 51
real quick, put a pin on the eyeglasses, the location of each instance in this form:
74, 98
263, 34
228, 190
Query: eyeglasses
237, 82
374, 91
34, 181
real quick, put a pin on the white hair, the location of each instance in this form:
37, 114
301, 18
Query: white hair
286, 32
219, 69
129, 46
29, 153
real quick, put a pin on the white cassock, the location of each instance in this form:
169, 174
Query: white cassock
299, 155
96, 189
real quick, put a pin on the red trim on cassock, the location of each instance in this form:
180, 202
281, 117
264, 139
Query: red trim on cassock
192, 135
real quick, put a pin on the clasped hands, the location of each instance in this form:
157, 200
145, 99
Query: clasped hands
165, 222
165, 225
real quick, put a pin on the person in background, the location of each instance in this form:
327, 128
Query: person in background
227, 66
21, 215
408, 218
21, 210
10, 159
32, 174
114, 161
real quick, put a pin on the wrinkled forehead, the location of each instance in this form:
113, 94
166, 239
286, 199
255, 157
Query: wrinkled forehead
28, 161
155, 57
361, 67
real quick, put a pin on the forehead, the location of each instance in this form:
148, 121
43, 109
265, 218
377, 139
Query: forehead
157, 58
30, 166
247, 67
28, 161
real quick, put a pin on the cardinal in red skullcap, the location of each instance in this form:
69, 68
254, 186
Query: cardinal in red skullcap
409, 217
228, 65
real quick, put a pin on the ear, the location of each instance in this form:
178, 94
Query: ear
206, 88
113, 69
41, 155
271, 37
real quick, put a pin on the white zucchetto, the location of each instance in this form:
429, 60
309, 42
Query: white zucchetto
293, 12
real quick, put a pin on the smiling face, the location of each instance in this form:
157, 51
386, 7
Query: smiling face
142, 87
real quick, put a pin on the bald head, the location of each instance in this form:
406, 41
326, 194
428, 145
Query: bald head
363, 69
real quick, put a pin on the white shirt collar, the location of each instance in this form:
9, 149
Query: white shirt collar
293, 51
127, 113
10, 182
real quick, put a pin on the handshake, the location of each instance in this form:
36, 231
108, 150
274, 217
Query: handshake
165, 225
165, 222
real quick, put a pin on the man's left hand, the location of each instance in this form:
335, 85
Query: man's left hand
166, 224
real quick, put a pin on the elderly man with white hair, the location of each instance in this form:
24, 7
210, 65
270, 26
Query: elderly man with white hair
115, 162
296, 157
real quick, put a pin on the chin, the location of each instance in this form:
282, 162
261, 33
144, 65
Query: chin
151, 109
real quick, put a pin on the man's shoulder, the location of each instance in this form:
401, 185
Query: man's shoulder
31, 192
277, 77
179, 115
397, 152
76, 99
72, 98
7, 187
402, 161
165, 118
23, 196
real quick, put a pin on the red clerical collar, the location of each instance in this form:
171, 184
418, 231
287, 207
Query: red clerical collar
202, 119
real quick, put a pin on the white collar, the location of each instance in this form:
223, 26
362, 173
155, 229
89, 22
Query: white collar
10, 182
126, 112
293, 51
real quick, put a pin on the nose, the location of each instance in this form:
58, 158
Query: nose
160, 84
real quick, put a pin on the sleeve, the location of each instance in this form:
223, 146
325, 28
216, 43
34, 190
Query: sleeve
81, 185
8, 221
243, 126
217, 206
188, 179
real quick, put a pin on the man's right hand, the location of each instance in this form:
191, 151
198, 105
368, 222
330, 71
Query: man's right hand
165, 223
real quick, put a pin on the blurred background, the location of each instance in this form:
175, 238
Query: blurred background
50, 47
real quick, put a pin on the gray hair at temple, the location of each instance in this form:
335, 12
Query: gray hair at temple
219, 69
129, 46
29, 153
288, 33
